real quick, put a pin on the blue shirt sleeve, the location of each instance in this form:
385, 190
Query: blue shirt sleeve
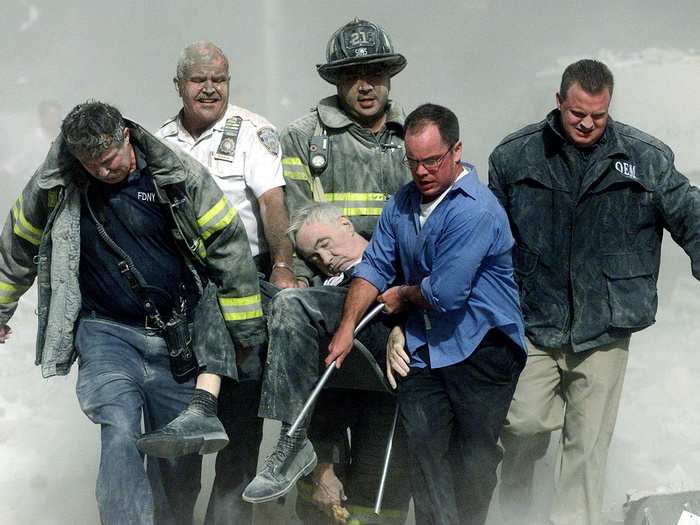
377, 266
464, 243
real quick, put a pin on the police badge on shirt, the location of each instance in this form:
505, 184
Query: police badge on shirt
227, 146
269, 138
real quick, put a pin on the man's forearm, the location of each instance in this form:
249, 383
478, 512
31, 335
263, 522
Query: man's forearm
361, 294
414, 296
399, 298
273, 213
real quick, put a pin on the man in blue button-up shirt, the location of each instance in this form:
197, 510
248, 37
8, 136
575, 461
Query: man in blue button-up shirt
450, 239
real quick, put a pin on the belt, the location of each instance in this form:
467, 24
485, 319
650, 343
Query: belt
147, 322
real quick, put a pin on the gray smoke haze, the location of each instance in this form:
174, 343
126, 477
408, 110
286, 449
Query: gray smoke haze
496, 63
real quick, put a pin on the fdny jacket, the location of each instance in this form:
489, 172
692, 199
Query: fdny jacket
363, 169
588, 240
41, 238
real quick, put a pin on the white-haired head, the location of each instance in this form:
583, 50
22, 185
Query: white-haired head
195, 51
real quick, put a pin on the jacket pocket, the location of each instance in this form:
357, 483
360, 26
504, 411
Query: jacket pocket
631, 282
540, 305
524, 261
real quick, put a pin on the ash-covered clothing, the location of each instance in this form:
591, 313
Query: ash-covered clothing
41, 238
363, 168
237, 463
301, 323
460, 258
244, 163
124, 371
140, 225
588, 226
242, 153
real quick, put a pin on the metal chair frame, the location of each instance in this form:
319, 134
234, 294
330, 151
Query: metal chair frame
379, 374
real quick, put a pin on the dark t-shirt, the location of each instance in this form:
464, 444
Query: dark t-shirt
139, 224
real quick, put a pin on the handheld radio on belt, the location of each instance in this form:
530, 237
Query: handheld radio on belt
175, 331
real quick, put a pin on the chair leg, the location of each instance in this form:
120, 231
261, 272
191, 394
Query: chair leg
312, 399
329, 371
387, 459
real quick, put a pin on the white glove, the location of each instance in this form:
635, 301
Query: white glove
396, 357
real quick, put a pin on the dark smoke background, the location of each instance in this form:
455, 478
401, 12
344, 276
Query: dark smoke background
496, 63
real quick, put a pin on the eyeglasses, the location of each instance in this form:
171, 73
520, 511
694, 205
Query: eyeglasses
431, 164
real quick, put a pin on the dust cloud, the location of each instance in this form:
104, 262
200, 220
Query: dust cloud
496, 63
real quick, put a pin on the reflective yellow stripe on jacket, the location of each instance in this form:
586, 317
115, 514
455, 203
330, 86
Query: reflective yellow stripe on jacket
216, 218
359, 203
295, 169
23, 228
9, 293
241, 308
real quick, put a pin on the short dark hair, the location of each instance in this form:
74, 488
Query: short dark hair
445, 120
593, 77
91, 128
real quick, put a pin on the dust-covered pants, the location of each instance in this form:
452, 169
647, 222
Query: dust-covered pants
453, 417
300, 323
124, 372
358, 461
578, 393
237, 463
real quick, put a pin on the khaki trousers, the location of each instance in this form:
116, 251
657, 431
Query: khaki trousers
578, 393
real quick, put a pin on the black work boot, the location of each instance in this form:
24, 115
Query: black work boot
196, 430
292, 458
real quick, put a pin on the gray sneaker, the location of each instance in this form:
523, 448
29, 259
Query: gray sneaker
281, 471
189, 433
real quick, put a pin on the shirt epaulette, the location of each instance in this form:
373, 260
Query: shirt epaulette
168, 128
256, 120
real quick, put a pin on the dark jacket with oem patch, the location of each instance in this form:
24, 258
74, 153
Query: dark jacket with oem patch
588, 227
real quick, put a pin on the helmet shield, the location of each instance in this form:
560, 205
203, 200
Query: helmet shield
359, 43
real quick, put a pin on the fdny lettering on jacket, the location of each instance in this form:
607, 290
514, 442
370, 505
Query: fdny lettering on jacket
146, 196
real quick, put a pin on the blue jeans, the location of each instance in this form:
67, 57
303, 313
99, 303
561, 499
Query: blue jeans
124, 371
